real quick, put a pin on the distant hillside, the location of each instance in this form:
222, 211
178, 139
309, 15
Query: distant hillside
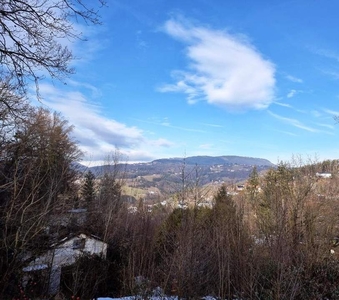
165, 175
218, 160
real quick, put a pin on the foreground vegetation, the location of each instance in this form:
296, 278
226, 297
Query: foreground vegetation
274, 240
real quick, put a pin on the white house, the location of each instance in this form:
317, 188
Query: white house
65, 253
323, 175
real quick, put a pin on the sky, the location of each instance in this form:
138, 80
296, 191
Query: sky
180, 78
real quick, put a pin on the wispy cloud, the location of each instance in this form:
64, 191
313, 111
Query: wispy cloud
212, 125
326, 53
286, 132
161, 143
294, 79
331, 73
287, 105
87, 48
205, 146
166, 123
331, 112
90, 124
126, 7
224, 69
291, 94
316, 113
329, 126
293, 122
98, 135
141, 44
283, 104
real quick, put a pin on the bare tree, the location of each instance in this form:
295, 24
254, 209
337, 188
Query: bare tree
188, 187
108, 202
31, 34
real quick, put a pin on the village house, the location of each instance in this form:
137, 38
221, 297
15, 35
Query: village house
62, 254
323, 175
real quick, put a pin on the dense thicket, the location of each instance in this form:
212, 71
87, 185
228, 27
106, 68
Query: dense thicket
272, 241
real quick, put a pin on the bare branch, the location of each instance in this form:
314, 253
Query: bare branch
31, 35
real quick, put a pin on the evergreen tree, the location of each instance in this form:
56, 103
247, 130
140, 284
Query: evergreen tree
228, 257
253, 185
224, 200
88, 189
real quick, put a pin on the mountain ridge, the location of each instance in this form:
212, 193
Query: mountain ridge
215, 160
166, 172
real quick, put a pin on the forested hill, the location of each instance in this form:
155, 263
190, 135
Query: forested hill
207, 168
218, 160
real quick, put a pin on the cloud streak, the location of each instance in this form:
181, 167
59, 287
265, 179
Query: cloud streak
294, 79
291, 94
326, 53
224, 69
293, 122
331, 112
166, 123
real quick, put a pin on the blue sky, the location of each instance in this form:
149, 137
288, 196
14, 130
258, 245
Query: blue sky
180, 78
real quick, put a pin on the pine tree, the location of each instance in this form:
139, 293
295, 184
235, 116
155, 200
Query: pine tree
228, 245
253, 185
88, 189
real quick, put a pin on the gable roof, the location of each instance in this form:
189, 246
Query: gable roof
76, 235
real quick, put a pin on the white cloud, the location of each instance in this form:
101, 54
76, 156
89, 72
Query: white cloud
291, 93
225, 70
287, 132
283, 104
212, 125
98, 135
326, 125
90, 125
162, 143
166, 123
206, 146
293, 122
326, 53
331, 112
333, 74
316, 113
294, 79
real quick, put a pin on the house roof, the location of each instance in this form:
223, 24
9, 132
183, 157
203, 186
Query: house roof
35, 268
76, 235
